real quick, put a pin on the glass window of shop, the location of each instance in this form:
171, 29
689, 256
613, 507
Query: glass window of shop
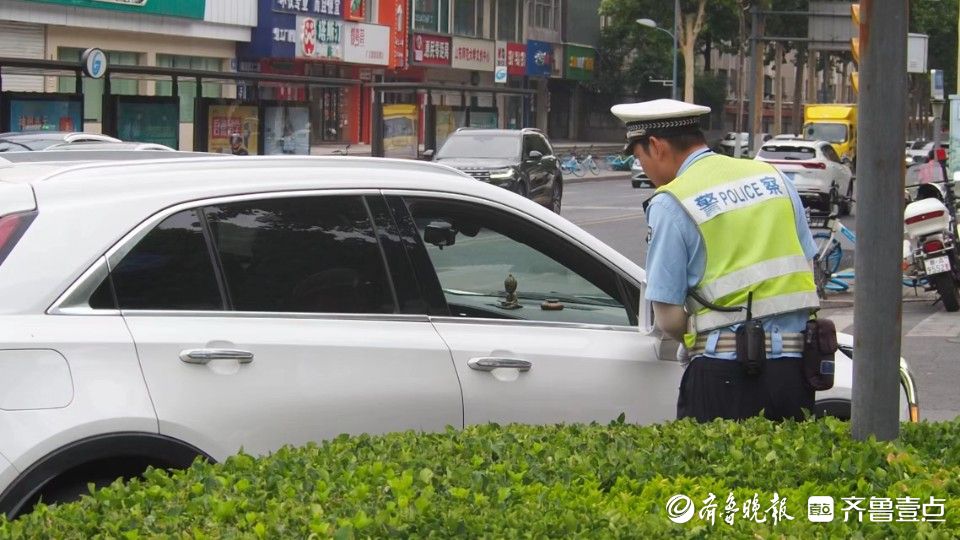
507, 15
328, 112
93, 88
431, 15
466, 17
187, 89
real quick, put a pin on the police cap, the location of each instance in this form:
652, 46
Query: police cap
660, 117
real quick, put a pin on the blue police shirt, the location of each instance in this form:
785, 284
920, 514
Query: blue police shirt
676, 260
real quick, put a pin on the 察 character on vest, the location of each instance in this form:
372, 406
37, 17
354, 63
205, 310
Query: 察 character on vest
724, 232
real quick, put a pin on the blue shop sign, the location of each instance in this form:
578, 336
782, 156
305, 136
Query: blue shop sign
274, 37
539, 58
326, 8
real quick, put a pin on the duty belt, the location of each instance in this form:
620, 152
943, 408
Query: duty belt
727, 343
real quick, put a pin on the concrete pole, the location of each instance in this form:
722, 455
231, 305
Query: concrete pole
877, 304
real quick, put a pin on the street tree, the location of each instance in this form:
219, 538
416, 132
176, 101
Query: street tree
695, 18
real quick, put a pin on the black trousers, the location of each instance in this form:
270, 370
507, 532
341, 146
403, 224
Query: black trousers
712, 388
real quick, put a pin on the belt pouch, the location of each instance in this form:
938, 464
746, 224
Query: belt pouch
751, 347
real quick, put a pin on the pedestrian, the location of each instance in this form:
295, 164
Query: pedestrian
726, 232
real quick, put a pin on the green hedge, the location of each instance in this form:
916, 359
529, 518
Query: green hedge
529, 481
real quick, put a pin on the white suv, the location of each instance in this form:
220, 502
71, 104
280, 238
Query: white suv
161, 310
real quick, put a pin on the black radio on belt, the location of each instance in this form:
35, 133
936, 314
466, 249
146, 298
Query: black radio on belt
751, 342
750, 336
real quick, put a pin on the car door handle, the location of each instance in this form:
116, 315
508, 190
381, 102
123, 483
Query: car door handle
203, 356
486, 363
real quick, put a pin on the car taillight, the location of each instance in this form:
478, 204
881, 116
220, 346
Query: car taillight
932, 246
12, 228
923, 217
814, 165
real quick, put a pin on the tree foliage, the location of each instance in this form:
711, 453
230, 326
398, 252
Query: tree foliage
938, 19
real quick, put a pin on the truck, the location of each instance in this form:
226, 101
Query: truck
834, 123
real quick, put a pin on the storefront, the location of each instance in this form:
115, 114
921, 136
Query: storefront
135, 34
331, 39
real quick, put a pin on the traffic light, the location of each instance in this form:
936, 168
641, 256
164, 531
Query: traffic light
855, 45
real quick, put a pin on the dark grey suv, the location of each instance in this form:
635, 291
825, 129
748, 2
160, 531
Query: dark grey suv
519, 160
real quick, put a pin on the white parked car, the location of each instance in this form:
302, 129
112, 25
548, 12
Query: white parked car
155, 311
815, 169
638, 177
729, 142
920, 151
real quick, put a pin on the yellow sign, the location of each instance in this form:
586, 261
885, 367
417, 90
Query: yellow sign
233, 129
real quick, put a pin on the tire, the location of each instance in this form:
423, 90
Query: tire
522, 189
556, 199
593, 168
846, 206
824, 268
947, 289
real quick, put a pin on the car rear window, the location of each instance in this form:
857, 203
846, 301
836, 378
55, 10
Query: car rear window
782, 151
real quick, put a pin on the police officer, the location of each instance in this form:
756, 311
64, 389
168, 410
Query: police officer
724, 233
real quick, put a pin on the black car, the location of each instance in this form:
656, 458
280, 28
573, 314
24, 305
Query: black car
519, 160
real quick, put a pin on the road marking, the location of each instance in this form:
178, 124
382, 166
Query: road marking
630, 208
940, 324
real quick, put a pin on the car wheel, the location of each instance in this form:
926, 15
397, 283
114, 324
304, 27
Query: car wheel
835, 407
557, 196
522, 188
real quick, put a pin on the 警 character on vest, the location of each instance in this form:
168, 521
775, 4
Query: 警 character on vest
724, 233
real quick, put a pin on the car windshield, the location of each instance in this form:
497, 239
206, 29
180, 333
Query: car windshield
834, 133
918, 145
780, 151
481, 146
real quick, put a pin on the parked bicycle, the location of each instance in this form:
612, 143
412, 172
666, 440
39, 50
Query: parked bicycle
589, 164
619, 162
826, 263
572, 165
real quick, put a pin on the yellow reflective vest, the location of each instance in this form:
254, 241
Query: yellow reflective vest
745, 217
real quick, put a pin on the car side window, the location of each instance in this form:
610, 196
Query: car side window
482, 255
301, 254
528, 146
542, 146
169, 269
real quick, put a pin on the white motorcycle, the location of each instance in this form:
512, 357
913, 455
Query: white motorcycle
930, 224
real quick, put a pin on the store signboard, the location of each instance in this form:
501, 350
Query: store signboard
286, 128
579, 62
190, 9
539, 58
320, 39
473, 54
516, 58
325, 8
41, 112
367, 44
431, 50
150, 119
400, 130
393, 13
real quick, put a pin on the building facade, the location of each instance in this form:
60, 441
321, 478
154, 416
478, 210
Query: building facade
197, 34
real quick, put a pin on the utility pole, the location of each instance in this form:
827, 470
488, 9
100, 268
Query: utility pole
877, 304
778, 89
751, 117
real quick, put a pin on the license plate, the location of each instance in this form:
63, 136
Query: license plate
937, 265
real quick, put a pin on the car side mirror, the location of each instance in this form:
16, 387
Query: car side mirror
845, 160
440, 234
535, 155
428, 155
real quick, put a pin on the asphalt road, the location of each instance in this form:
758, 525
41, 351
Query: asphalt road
611, 210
